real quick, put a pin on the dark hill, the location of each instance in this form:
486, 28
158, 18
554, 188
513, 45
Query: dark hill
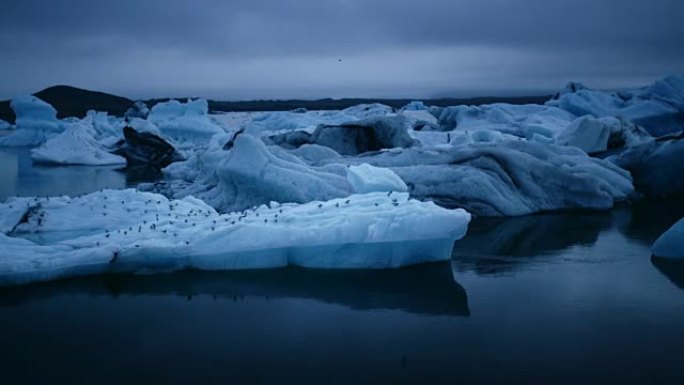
72, 101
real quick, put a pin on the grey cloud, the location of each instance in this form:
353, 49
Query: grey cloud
142, 47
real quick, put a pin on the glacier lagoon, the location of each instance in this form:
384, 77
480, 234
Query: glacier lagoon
555, 298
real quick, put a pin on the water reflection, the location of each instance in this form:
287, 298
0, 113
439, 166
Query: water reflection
673, 270
645, 221
20, 177
499, 245
425, 289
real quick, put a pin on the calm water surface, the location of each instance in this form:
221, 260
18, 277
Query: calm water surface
565, 298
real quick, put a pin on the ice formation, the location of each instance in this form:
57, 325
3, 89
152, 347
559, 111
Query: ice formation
657, 107
146, 147
184, 122
506, 178
594, 135
371, 134
657, 166
4, 125
671, 244
36, 121
132, 231
76, 146
252, 174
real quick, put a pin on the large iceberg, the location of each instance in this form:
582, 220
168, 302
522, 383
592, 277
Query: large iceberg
77, 146
184, 122
252, 174
132, 231
658, 107
497, 178
671, 243
656, 166
370, 134
36, 121
505, 178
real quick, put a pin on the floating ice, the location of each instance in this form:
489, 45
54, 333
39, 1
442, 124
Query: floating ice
365, 178
657, 107
596, 135
76, 145
508, 178
184, 122
372, 134
36, 121
671, 243
657, 166
415, 105
132, 231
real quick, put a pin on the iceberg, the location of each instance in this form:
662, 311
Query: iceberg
670, 245
371, 134
75, 146
414, 105
187, 123
147, 147
657, 107
4, 125
252, 174
594, 135
131, 231
657, 166
507, 178
518, 120
36, 121
365, 178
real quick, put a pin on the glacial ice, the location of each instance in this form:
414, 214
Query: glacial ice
507, 178
132, 231
671, 243
365, 178
36, 121
184, 122
657, 107
594, 135
656, 166
370, 134
75, 146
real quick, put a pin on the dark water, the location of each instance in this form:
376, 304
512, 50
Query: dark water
566, 298
20, 177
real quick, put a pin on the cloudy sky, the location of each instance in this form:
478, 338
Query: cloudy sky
246, 49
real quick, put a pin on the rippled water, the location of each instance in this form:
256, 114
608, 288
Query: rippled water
567, 298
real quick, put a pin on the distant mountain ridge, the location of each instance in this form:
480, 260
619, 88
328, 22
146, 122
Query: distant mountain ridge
72, 101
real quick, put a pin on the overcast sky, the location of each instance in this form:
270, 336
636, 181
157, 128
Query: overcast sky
246, 49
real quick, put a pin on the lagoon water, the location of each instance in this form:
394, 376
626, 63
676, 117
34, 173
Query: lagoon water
570, 298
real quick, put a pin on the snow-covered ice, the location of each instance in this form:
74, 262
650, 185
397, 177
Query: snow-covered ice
133, 231
671, 243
